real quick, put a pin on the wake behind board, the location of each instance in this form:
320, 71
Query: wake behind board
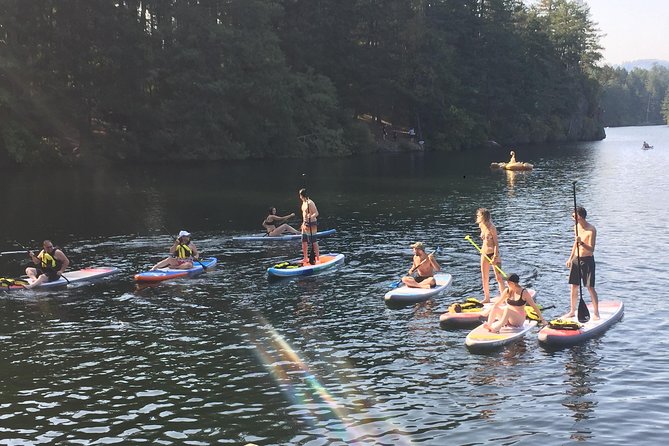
294, 268
280, 238
82, 275
404, 295
481, 339
610, 312
173, 273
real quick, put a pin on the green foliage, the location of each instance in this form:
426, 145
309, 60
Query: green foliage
235, 79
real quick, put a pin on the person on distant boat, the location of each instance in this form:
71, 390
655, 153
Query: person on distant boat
584, 242
513, 313
275, 226
513, 158
50, 264
425, 265
309, 227
182, 253
490, 248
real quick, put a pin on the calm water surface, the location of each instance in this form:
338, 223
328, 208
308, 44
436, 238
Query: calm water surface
230, 358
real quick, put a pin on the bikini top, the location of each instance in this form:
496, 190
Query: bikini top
520, 302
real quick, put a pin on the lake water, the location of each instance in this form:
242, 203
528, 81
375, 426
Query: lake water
230, 357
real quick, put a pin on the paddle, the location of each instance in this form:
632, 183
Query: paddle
583, 312
4, 253
413, 268
468, 237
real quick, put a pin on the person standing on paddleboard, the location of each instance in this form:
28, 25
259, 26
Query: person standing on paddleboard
585, 236
490, 252
425, 265
50, 263
182, 253
309, 227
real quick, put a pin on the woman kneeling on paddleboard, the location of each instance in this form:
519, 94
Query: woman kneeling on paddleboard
182, 253
513, 313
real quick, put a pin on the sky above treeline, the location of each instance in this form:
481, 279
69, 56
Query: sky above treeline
632, 29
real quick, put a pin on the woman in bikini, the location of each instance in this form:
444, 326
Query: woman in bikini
513, 313
275, 226
490, 249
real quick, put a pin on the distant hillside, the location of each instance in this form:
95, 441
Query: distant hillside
645, 64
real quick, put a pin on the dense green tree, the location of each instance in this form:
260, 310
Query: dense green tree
224, 79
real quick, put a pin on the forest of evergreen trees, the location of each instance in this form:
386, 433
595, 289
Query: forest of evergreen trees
157, 80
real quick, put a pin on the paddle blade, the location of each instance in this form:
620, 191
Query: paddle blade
583, 312
396, 284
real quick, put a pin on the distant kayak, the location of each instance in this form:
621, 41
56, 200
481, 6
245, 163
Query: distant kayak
173, 273
512, 166
610, 312
404, 295
82, 275
281, 238
294, 268
480, 338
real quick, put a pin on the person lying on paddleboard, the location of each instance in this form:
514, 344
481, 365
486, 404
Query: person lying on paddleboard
513, 313
490, 246
425, 265
274, 225
182, 253
309, 227
51, 262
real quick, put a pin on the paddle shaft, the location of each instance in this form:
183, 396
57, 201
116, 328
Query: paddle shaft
467, 237
4, 253
583, 312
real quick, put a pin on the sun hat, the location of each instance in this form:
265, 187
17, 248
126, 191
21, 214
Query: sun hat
184, 234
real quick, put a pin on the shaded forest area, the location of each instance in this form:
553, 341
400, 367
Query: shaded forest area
161, 80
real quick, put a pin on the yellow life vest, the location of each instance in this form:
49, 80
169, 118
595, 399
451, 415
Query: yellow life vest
183, 251
47, 260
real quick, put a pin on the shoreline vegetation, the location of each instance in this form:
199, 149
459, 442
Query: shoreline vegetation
94, 82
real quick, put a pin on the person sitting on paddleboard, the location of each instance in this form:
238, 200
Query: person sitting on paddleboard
274, 225
490, 247
513, 313
309, 227
182, 253
51, 262
513, 158
425, 265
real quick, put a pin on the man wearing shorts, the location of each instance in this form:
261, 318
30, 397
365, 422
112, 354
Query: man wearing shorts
49, 265
584, 242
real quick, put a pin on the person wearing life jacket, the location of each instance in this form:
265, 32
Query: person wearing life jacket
50, 264
182, 253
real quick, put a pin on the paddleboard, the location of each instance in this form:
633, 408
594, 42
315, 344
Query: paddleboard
481, 339
281, 238
469, 317
173, 273
82, 275
404, 295
610, 312
295, 268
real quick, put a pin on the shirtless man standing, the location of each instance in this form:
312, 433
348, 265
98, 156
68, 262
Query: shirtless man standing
585, 243
309, 227
425, 265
